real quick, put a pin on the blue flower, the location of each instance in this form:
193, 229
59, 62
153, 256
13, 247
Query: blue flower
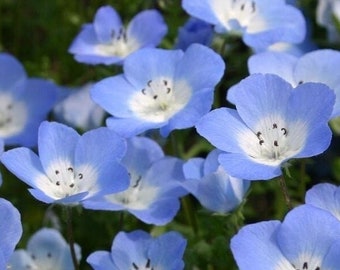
325, 196
24, 102
10, 231
316, 66
260, 22
308, 238
155, 184
211, 185
139, 250
78, 110
165, 89
272, 124
46, 249
107, 41
194, 31
70, 168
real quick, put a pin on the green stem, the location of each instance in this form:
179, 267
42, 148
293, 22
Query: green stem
71, 238
283, 186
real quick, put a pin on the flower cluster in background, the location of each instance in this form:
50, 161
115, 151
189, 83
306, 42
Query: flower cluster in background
170, 135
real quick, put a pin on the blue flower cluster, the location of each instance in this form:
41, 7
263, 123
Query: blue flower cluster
104, 146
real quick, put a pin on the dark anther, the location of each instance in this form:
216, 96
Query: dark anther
71, 185
155, 97
305, 265
49, 255
9, 106
258, 134
253, 7
57, 183
242, 7
56, 172
143, 91
33, 257
318, 268
165, 82
168, 90
135, 266
300, 82
137, 182
149, 83
148, 263
274, 125
70, 169
275, 143
284, 131
80, 175
261, 142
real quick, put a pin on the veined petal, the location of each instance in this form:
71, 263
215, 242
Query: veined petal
107, 23
331, 260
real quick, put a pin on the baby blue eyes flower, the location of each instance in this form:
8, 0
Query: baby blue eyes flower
138, 250
165, 89
10, 231
107, 41
316, 66
155, 184
46, 250
70, 168
211, 185
299, 242
24, 102
260, 22
272, 124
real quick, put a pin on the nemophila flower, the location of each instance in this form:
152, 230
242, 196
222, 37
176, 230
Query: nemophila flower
325, 196
273, 123
70, 168
107, 41
139, 250
307, 239
78, 110
10, 231
259, 22
24, 102
328, 15
316, 66
211, 185
46, 250
155, 184
166, 89
194, 31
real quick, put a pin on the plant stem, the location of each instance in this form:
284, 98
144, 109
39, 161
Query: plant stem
71, 238
282, 182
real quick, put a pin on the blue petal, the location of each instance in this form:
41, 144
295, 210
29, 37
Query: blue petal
113, 95
279, 63
20, 260
101, 260
301, 233
193, 168
150, 63
57, 143
12, 73
221, 128
242, 166
106, 23
331, 260
259, 96
254, 247
148, 19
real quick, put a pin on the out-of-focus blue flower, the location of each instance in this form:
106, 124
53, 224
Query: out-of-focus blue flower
70, 168
316, 66
24, 102
194, 31
327, 12
155, 185
10, 231
139, 250
165, 89
46, 249
211, 185
308, 238
107, 41
78, 110
325, 196
272, 124
261, 23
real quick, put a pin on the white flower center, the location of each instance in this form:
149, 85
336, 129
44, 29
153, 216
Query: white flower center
120, 45
138, 196
64, 180
160, 100
13, 116
147, 266
273, 140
